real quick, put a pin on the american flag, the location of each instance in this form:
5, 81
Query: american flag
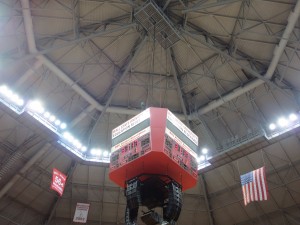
254, 186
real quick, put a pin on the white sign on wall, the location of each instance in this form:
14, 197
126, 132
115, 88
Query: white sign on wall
81, 213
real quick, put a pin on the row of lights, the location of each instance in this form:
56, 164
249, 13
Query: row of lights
36, 108
98, 152
76, 144
283, 122
11, 96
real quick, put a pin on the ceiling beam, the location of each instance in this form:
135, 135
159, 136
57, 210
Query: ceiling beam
207, 203
166, 5
23, 170
11, 221
179, 92
73, 42
115, 85
293, 17
292, 20
31, 71
58, 72
76, 18
198, 6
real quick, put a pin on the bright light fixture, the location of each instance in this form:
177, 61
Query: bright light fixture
202, 158
57, 122
282, 122
105, 153
272, 126
204, 151
63, 126
9, 94
83, 148
68, 137
13, 97
52, 118
20, 102
293, 117
3, 89
77, 144
36, 106
47, 115
96, 152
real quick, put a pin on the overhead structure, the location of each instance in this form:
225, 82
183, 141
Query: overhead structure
157, 24
72, 71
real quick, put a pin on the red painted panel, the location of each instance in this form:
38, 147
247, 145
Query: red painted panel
154, 153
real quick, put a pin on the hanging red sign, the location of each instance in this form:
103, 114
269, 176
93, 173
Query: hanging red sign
58, 181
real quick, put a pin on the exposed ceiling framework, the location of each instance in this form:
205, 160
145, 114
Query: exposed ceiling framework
226, 68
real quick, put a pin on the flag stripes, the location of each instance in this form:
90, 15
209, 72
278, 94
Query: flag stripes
254, 186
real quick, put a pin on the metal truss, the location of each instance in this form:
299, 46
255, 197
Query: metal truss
114, 86
200, 6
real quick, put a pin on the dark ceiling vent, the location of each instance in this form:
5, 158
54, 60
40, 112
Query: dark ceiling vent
157, 24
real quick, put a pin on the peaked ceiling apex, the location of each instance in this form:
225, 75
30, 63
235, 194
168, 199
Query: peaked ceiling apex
157, 24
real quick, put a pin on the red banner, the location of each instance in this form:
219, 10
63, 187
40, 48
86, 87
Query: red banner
58, 181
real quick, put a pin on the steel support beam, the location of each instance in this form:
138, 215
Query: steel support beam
76, 18
23, 170
58, 72
9, 220
115, 85
74, 42
207, 203
166, 5
58, 199
179, 92
31, 71
293, 18
198, 6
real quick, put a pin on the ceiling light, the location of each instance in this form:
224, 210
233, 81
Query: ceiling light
15, 98
204, 151
105, 153
83, 148
68, 137
36, 106
57, 122
96, 152
3, 89
47, 115
272, 126
293, 117
282, 122
202, 158
8, 93
77, 144
52, 118
20, 102
63, 126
